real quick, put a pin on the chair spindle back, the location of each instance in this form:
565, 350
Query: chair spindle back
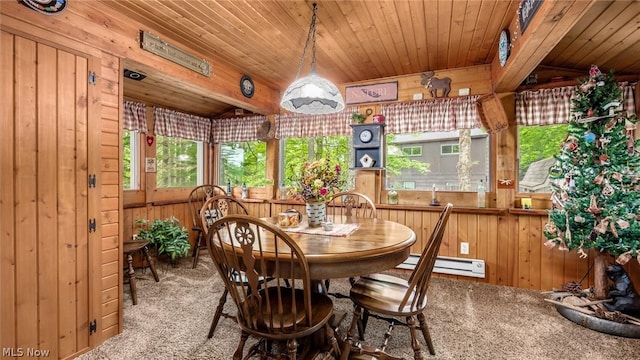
240, 243
421, 275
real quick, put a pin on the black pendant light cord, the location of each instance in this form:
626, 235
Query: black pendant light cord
311, 36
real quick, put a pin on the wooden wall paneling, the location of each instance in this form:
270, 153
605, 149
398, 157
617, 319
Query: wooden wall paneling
67, 200
47, 197
488, 238
524, 256
8, 309
25, 196
471, 233
506, 223
109, 135
535, 250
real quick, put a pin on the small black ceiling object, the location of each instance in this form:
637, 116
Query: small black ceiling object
134, 75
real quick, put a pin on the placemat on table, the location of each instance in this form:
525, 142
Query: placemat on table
338, 229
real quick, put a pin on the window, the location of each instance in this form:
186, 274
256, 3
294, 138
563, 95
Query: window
537, 146
412, 150
441, 155
296, 151
179, 162
243, 162
449, 149
409, 185
130, 156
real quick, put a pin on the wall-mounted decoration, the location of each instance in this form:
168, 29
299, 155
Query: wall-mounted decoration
504, 47
150, 165
246, 86
47, 7
492, 114
506, 184
368, 145
155, 45
362, 94
433, 84
150, 140
526, 11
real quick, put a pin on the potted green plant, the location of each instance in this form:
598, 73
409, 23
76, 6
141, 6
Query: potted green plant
167, 236
358, 118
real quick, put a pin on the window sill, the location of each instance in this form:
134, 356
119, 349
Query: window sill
533, 212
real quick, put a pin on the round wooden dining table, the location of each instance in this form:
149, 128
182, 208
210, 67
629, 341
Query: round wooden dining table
371, 246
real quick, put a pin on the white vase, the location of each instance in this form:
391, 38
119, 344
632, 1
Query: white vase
315, 213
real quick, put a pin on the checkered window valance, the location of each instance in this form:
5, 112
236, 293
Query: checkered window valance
292, 125
431, 115
555, 106
236, 129
180, 125
135, 116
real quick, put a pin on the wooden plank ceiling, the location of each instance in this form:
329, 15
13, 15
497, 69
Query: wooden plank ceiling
363, 40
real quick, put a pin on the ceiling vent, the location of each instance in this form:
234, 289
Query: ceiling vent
134, 75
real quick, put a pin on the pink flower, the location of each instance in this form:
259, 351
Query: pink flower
323, 191
338, 169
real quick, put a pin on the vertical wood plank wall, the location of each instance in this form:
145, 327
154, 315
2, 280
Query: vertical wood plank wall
109, 179
510, 244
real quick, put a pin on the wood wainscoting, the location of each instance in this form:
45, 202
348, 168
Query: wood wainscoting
511, 242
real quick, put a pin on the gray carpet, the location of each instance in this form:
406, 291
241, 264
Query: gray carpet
467, 321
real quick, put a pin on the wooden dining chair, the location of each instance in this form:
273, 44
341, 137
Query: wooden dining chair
350, 203
271, 311
213, 209
197, 197
392, 296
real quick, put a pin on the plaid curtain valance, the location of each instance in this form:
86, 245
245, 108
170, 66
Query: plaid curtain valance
180, 125
135, 116
292, 125
555, 106
236, 129
431, 115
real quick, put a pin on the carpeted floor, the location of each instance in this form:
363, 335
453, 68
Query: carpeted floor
467, 321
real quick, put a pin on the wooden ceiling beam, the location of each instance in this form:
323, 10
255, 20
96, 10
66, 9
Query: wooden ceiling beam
549, 25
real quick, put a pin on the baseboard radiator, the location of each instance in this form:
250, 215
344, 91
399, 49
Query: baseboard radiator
449, 265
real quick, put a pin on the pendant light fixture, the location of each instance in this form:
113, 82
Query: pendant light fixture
312, 94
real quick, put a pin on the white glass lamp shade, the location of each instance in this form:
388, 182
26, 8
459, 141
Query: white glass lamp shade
312, 95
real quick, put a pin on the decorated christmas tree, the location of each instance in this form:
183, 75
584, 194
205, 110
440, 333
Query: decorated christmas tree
596, 198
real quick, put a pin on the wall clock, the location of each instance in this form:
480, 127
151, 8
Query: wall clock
504, 47
366, 135
246, 86
368, 145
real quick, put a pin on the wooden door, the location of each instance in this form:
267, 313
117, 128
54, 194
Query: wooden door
47, 300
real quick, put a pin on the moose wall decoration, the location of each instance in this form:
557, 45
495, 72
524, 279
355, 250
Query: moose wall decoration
433, 83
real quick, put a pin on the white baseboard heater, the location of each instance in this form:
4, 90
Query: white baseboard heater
449, 265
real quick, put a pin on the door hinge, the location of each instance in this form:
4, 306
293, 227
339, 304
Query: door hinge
92, 225
93, 327
92, 78
92, 180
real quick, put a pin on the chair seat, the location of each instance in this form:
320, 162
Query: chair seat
383, 294
322, 310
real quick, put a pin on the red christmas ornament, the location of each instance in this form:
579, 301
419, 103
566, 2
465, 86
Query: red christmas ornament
590, 112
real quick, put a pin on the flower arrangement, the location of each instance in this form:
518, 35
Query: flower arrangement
318, 180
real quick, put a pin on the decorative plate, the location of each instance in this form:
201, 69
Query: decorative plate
504, 47
47, 7
246, 86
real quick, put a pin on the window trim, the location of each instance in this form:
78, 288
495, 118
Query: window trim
452, 145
